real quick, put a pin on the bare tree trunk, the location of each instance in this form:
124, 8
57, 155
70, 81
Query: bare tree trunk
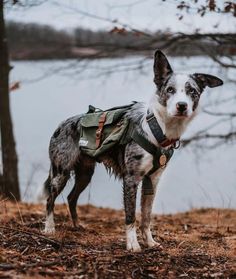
1, 182
9, 186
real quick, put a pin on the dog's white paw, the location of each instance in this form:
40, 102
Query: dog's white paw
49, 224
131, 239
133, 246
152, 243
148, 239
49, 230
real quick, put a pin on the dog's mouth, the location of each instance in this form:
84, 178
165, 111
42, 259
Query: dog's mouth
181, 115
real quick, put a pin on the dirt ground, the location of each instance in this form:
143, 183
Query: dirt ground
196, 244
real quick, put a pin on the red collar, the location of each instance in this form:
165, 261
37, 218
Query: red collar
174, 143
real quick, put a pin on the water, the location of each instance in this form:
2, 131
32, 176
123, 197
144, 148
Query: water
195, 177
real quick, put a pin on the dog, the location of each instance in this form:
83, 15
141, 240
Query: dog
173, 105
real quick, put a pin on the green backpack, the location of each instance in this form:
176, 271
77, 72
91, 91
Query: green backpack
102, 130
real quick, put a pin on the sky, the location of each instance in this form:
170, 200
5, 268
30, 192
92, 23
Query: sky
152, 15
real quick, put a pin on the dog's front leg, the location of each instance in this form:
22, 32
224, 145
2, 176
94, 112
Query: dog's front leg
130, 193
146, 210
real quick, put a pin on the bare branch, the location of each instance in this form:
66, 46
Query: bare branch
100, 18
225, 137
230, 114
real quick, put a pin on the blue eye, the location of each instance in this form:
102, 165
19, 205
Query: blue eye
192, 91
170, 89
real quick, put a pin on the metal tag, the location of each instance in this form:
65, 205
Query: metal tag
163, 160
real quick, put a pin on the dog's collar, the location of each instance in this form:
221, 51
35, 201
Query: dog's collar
158, 133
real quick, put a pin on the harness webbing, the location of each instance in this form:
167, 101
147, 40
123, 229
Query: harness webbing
157, 131
156, 152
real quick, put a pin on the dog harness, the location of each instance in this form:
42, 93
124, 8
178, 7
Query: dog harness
158, 133
102, 130
160, 154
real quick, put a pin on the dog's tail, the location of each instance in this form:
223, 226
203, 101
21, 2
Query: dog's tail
44, 192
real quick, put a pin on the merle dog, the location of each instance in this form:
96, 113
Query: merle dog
174, 105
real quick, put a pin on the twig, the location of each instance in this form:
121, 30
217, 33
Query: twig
231, 114
4, 266
18, 208
60, 274
56, 244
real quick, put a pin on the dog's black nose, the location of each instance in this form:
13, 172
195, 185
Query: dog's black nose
181, 106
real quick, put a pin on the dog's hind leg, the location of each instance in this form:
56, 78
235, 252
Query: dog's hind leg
55, 183
130, 192
146, 210
83, 173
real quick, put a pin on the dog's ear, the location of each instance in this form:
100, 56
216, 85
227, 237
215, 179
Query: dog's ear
204, 80
162, 68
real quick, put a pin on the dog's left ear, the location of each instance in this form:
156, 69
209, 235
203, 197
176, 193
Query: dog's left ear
204, 80
162, 68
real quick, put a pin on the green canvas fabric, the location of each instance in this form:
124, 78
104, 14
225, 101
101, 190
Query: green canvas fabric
114, 130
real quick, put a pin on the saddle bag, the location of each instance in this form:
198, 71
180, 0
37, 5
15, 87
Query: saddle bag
102, 130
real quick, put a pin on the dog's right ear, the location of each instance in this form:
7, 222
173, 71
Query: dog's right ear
162, 68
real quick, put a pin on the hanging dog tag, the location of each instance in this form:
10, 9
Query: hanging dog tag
163, 160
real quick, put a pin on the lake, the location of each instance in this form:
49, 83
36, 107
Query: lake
197, 176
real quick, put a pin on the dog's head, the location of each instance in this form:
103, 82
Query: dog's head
179, 93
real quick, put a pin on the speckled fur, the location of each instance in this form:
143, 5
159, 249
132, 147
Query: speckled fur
129, 163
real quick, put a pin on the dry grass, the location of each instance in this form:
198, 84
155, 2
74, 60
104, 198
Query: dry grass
196, 244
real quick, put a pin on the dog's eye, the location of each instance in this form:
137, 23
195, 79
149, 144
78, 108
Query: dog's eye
170, 90
192, 91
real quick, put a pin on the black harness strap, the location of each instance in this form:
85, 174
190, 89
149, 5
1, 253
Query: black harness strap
155, 127
157, 131
156, 152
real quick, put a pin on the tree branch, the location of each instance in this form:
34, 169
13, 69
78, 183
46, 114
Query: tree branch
224, 137
230, 114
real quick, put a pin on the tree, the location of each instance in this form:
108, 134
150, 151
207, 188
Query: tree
9, 184
124, 39
220, 47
